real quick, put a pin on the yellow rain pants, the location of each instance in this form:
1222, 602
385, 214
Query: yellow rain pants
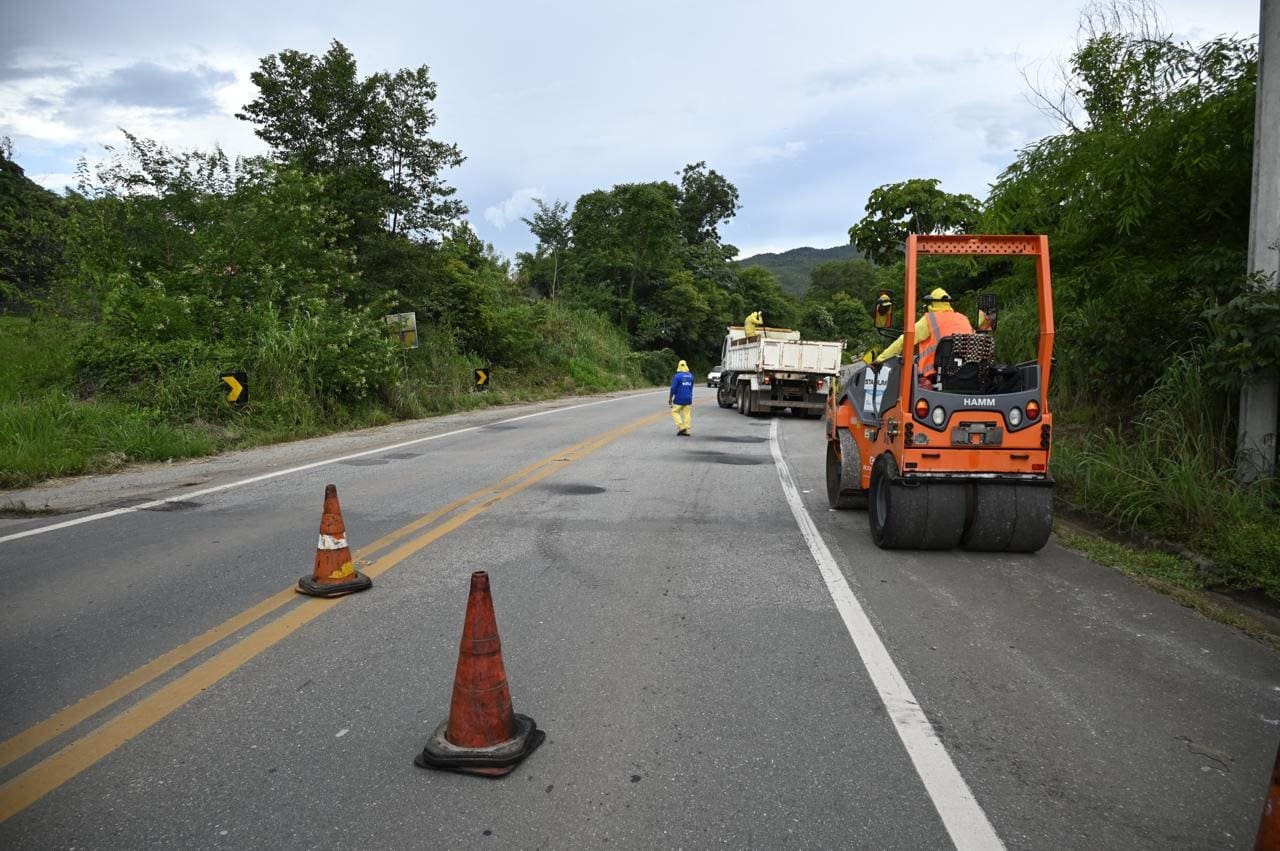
683, 416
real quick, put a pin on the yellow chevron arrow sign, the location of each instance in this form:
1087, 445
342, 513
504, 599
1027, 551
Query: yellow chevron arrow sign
238, 382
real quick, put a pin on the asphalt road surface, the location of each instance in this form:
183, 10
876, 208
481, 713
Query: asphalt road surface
717, 658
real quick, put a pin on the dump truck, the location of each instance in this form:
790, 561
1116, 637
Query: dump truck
773, 369
960, 458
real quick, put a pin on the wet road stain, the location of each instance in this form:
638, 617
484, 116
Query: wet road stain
730, 458
573, 490
175, 505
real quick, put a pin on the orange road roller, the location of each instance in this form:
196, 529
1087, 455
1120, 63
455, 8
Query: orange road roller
952, 453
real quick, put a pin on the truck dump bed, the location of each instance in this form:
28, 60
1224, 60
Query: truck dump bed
780, 350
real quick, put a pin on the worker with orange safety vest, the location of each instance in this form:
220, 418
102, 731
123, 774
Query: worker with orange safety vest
939, 321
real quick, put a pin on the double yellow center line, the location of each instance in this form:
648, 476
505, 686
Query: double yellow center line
47, 775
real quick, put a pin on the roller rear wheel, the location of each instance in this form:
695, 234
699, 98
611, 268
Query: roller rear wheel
914, 515
1009, 518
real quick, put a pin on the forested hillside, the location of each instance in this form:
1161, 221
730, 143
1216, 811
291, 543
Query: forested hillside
794, 268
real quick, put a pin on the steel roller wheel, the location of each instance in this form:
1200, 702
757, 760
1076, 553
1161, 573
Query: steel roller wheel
913, 515
1010, 518
844, 469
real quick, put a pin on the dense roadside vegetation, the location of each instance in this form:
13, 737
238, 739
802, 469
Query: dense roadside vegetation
128, 296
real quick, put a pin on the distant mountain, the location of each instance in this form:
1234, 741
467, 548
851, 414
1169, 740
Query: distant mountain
794, 267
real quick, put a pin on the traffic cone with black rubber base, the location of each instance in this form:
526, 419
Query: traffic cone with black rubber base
482, 734
334, 574
1269, 828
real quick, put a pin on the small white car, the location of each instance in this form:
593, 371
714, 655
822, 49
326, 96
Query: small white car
713, 376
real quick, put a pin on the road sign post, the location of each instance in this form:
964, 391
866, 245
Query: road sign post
481, 377
403, 326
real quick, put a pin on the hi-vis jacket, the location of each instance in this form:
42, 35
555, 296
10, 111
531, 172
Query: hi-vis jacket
938, 321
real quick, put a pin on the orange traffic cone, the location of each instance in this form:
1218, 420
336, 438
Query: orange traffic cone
482, 734
1269, 828
334, 574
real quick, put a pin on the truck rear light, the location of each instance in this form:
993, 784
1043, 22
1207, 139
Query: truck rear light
1037, 468
821, 384
1033, 410
922, 408
766, 379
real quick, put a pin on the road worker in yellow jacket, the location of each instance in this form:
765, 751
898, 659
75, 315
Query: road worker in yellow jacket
681, 399
939, 321
754, 323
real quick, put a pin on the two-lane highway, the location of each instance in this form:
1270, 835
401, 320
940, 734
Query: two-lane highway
718, 659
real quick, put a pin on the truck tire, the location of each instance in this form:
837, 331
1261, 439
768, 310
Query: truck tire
742, 399
724, 393
844, 468
913, 515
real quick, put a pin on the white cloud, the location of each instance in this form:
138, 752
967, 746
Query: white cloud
757, 154
56, 181
518, 205
597, 109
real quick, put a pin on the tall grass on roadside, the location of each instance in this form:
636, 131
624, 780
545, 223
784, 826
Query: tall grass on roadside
55, 435
1169, 473
311, 371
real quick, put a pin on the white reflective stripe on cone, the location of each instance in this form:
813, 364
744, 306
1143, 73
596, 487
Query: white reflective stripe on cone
328, 542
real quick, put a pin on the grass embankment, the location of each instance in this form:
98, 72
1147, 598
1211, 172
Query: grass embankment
52, 424
1166, 473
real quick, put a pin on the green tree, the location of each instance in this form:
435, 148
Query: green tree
853, 278
411, 161
705, 200
369, 135
550, 224
913, 206
758, 289
624, 239
1146, 203
32, 235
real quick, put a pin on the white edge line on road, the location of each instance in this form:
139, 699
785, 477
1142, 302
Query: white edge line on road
116, 512
961, 814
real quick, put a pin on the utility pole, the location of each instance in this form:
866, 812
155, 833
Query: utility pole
1259, 408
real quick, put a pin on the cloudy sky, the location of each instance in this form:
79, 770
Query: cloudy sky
805, 106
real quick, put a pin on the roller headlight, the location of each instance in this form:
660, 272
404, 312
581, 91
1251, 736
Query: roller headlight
939, 416
1015, 417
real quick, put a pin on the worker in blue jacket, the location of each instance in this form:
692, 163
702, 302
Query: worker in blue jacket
681, 399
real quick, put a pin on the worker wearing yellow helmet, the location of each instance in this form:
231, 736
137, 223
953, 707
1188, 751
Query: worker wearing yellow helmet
883, 316
939, 321
681, 400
